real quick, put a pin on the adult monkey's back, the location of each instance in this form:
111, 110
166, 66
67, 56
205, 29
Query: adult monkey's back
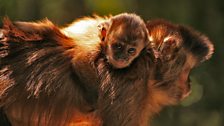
78, 56
48, 77
40, 85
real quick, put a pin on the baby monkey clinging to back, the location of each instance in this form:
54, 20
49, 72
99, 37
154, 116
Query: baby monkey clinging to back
124, 36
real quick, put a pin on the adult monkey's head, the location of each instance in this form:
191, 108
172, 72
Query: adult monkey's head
179, 50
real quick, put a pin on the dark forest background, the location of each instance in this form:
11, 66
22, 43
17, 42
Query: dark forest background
205, 106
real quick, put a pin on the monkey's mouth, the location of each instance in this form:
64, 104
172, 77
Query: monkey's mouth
186, 91
118, 63
185, 86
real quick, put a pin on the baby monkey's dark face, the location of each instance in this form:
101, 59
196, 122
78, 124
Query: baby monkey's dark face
125, 40
124, 45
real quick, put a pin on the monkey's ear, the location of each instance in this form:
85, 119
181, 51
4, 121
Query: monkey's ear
2, 34
103, 28
196, 43
4, 31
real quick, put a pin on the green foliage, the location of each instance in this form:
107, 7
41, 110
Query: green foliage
106, 7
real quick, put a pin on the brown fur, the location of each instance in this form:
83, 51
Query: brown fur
179, 49
61, 77
57, 95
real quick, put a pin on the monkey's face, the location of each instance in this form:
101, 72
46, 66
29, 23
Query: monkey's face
176, 62
123, 37
179, 50
123, 45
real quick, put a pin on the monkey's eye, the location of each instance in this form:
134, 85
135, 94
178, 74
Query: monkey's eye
131, 51
117, 46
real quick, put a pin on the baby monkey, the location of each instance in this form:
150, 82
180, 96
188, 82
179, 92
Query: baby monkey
123, 37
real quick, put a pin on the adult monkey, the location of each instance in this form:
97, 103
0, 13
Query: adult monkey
177, 49
156, 95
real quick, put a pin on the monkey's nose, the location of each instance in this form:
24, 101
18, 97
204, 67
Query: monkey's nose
121, 57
